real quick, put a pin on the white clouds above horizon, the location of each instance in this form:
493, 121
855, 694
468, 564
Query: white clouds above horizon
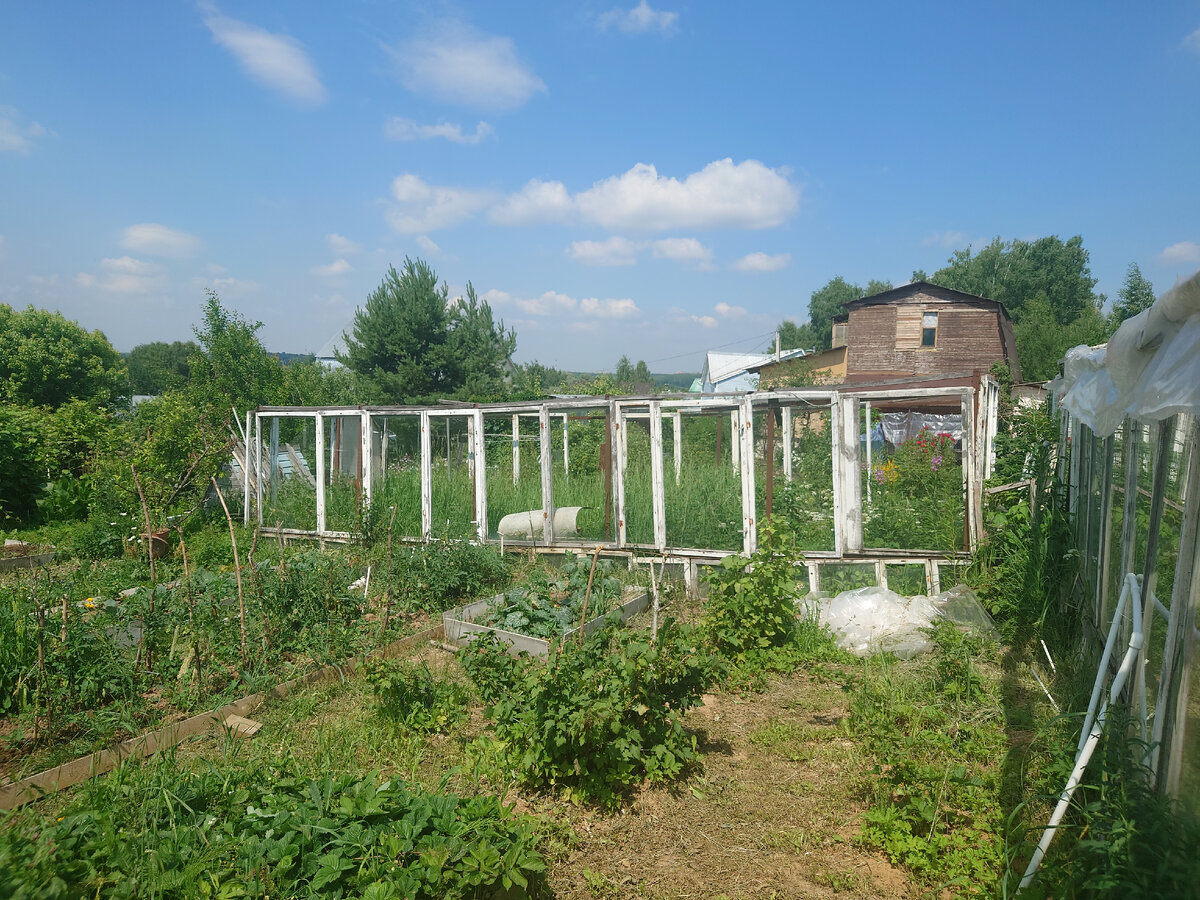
332, 270
723, 194
275, 61
426, 243
1192, 41
1183, 252
126, 275
763, 262
400, 129
620, 251
639, 20
419, 207
554, 303
342, 246
466, 67
15, 135
727, 311
154, 239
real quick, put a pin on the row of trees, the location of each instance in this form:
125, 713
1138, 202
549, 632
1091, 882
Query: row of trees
1046, 285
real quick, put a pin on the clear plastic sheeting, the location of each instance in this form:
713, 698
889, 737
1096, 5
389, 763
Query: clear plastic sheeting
873, 619
899, 427
1150, 368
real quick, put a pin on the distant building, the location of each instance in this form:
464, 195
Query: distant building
923, 330
327, 355
736, 371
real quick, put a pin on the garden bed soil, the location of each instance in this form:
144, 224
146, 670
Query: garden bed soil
16, 555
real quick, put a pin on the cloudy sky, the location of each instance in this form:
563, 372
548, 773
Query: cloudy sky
650, 180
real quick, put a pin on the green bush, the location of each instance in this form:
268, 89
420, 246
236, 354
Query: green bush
752, 601
238, 830
598, 719
407, 693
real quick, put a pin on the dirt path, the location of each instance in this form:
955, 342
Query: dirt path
773, 815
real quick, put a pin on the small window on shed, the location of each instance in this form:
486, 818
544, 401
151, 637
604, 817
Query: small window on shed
929, 330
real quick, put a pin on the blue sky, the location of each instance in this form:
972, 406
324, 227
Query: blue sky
649, 180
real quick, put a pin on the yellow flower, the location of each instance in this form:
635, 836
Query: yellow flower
90, 602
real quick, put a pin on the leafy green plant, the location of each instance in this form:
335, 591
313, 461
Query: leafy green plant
550, 604
407, 693
752, 601
234, 830
597, 720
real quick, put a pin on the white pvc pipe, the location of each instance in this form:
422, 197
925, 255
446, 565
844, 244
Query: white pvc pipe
1091, 737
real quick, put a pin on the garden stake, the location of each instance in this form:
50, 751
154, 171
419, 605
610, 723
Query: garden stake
237, 570
387, 609
64, 620
654, 612
149, 538
592, 574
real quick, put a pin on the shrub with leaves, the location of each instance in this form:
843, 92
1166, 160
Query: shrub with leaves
252, 831
752, 602
598, 719
406, 692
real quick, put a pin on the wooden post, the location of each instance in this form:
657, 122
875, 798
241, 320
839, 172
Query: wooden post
516, 442
321, 477
867, 416
657, 479
735, 441
258, 473
426, 478
547, 460
769, 460
365, 454
677, 443
566, 448
606, 472
619, 460
788, 440
835, 436
246, 472
746, 460
850, 476
480, 480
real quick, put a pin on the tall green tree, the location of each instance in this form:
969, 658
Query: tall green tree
231, 369
411, 343
47, 360
158, 367
1015, 272
1136, 295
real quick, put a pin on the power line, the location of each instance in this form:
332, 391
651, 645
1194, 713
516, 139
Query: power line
718, 347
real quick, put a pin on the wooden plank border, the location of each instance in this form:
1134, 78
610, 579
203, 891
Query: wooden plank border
34, 787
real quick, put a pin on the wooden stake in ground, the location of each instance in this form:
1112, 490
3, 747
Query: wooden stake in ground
187, 580
587, 595
387, 610
149, 534
237, 570
63, 640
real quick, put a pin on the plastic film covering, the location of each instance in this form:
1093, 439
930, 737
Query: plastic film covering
1150, 368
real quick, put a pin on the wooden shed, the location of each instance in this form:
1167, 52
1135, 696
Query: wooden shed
925, 330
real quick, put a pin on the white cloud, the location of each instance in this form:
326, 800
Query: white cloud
337, 267
1192, 41
554, 303
729, 312
342, 246
704, 321
85, 279
687, 250
426, 243
274, 61
159, 240
126, 275
946, 239
15, 136
1183, 252
608, 309
723, 194
538, 201
616, 251
421, 207
398, 129
463, 66
762, 262
639, 20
